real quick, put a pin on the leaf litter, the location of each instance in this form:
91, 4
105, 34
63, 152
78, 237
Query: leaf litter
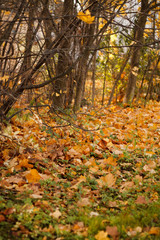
75, 184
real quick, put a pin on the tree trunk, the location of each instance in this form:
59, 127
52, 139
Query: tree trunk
135, 55
60, 85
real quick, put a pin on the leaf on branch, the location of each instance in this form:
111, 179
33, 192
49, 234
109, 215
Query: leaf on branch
86, 17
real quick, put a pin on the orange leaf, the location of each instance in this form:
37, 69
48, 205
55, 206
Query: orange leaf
33, 176
24, 163
154, 231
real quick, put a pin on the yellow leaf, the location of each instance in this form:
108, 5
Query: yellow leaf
86, 17
101, 235
108, 180
33, 176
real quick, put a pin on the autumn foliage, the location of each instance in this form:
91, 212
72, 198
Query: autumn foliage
83, 179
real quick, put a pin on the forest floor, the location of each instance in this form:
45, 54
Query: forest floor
94, 176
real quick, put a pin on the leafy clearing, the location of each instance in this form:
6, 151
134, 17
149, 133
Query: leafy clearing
66, 183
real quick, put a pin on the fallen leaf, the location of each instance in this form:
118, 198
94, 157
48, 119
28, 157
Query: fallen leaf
79, 180
134, 232
126, 186
101, 235
108, 180
35, 196
112, 204
56, 214
23, 163
92, 214
154, 231
141, 200
83, 202
9, 211
2, 218
33, 176
112, 231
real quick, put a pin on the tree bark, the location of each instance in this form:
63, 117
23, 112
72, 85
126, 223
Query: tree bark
135, 55
60, 85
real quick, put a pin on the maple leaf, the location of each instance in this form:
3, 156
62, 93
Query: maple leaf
33, 176
86, 17
101, 235
108, 180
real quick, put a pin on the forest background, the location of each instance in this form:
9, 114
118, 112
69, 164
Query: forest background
79, 112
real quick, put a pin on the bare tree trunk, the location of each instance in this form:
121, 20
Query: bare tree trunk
104, 83
135, 56
60, 85
93, 77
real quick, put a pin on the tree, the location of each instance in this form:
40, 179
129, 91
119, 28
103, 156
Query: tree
139, 28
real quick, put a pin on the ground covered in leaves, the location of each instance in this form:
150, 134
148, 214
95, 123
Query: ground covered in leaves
94, 176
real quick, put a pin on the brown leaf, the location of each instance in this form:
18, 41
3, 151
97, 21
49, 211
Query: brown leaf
83, 202
112, 204
112, 231
126, 186
9, 211
141, 200
2, 218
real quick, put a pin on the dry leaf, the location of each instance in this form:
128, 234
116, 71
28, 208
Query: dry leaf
134, 232
112, 231
80, 179
126, 186
108, 180
2, 218
94, 214
23, 163
141, 200
154, 231
56, 214
35, 196
83, 202
112, 204
33, 176
101, 235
